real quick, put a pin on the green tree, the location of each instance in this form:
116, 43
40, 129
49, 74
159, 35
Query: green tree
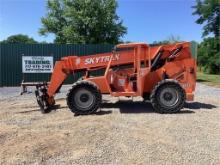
83, 21
209, 49
209, 55
170, 39
209, 15
19, 38
173, 39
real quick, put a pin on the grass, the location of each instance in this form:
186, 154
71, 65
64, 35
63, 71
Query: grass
208, 79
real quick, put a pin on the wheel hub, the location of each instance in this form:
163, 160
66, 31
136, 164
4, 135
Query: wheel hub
84, 97
169, 97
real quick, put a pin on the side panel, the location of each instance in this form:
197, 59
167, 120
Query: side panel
184, 71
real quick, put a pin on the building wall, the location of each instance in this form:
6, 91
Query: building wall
11, 59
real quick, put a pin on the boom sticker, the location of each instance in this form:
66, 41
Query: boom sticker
101, 59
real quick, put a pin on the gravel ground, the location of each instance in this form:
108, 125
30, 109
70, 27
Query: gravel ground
122, 132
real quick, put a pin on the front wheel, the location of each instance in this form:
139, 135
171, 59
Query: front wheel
84, 98
168, 96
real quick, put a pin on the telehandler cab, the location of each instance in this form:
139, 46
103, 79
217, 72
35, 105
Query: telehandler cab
165, 75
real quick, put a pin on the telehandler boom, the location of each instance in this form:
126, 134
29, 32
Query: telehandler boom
165, 75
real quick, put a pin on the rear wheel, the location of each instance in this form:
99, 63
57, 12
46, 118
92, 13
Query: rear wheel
84, 98
168, 97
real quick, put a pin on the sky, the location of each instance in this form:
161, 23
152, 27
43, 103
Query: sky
146, 20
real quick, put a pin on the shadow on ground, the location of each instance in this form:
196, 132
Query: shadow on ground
135, 107
33, 110
130, 106
198, 105
202, 80
54, 108
146, 107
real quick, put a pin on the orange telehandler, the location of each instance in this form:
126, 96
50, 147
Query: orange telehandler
165, 75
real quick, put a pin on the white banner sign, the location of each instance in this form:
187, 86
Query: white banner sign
37, 64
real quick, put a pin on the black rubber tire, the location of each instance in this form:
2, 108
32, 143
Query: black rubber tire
87, 85
155, 96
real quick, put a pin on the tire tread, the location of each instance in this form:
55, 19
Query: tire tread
154, 101
83, 83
